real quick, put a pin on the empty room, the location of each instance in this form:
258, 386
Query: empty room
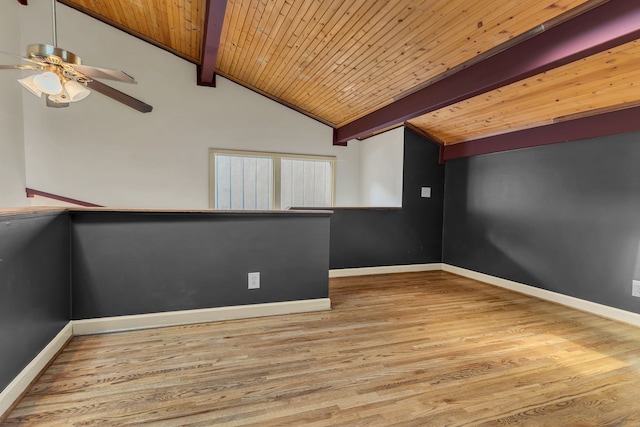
324, 213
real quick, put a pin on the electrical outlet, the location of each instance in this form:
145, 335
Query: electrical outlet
254, 280
635, 289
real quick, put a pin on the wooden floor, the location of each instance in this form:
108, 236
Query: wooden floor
415, 349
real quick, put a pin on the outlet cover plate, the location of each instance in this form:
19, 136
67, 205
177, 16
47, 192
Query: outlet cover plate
254, 280
635, 290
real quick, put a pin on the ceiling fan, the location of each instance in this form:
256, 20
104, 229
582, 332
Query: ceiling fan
64, 79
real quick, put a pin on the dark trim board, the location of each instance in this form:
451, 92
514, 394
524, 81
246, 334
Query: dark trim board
31, 193
606, 124
214, 19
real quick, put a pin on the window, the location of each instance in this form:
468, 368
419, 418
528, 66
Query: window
261, 181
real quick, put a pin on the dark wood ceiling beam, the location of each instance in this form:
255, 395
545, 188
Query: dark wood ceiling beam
611, 123
606, 26
214, 19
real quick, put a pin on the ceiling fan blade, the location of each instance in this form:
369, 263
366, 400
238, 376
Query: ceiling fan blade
52, 104
20, 67
119, 96
12, 54
23, 58
104, 73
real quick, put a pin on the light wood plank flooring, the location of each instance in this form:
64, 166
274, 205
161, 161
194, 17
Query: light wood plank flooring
415, 349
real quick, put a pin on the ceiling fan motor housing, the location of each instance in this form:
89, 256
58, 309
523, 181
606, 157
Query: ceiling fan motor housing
45, 50
58, 61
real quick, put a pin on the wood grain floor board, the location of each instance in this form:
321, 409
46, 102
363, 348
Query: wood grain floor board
410, 349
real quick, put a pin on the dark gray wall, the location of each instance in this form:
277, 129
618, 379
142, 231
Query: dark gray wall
34, 287
425, 215
134, 263
369, 237
564, 217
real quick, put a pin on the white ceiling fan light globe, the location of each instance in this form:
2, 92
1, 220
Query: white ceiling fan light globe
76, 91
48, 83
30, 85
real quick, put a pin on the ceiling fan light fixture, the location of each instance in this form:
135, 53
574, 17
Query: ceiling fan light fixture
75, 91
64, 79
48, 83
30, 85
61, 98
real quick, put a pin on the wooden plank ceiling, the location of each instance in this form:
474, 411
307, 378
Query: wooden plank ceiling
338, 61
174, 25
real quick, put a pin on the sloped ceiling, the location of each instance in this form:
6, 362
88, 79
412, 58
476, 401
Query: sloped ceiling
355, 64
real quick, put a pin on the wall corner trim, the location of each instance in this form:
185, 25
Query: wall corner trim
612, 313
387, 269
184, 317
16, 388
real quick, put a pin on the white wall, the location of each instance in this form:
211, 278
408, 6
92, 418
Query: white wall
381, 160
103, 152
12, 166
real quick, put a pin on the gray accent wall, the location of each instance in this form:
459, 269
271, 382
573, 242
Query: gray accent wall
371, 237
422, 168
34, 287
137, 262
563, 217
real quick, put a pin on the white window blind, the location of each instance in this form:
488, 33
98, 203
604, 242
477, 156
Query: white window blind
264, 181
243, 182
306, 182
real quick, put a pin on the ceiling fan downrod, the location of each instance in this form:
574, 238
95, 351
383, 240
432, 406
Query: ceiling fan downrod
54, 24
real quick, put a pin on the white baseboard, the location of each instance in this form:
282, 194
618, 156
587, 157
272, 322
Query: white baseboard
577, 303
21, 382
365, 271
174, 318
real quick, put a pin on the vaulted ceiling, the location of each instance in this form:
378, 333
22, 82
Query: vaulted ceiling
454, 70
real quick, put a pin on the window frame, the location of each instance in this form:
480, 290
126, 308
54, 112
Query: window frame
276, 158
